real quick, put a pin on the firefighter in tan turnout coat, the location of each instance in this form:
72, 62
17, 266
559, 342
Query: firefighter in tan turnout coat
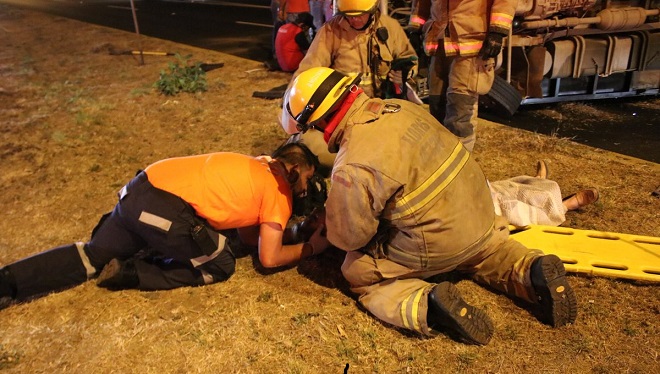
407, 202
359, 39
463, 37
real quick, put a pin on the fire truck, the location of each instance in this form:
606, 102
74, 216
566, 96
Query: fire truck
571, 50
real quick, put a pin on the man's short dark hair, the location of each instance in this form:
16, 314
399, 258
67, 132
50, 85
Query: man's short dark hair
317, 190
296, 153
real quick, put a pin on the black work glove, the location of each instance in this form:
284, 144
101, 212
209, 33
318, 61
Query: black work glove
492, 45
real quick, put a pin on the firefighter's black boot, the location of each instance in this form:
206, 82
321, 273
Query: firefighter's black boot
53, 270
557, 299
118, 275
448, 312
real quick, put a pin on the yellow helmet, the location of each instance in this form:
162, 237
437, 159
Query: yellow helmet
354, 8
312, 96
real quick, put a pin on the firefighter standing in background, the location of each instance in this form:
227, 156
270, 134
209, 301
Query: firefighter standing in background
359, 39
408, 202
174, 209
463, 37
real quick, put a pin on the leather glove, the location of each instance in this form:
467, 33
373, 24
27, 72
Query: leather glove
303, 231
318, 240
492, 45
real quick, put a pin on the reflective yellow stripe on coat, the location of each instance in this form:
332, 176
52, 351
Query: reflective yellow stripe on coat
433, 186
502, 20
463, 49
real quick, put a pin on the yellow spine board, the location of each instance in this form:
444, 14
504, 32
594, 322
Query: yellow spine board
595, 252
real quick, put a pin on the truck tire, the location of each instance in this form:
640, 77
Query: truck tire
502, 99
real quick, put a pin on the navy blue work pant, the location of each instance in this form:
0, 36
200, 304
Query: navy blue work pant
147, 218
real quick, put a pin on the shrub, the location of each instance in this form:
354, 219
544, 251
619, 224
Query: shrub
182, 77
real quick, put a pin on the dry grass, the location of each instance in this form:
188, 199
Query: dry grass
76, 123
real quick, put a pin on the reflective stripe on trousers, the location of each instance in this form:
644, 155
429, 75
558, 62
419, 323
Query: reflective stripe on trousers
398, 295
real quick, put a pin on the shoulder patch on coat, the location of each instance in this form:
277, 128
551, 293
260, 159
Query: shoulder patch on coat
374, 107
344, 182
371, 112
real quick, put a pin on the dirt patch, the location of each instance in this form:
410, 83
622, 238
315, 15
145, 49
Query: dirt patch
76, 123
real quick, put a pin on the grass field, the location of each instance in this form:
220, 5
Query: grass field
76, 123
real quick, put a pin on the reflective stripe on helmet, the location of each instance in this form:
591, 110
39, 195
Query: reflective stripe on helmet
317, 98
312, 96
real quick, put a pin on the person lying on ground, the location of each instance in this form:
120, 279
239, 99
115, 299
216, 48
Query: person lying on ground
522, 200
526, 200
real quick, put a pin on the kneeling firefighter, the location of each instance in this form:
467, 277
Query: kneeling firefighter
408, 202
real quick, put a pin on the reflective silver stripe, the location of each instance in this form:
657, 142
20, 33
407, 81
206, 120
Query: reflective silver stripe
123, 192
404, 311
204, 259
410, 309
156, 221
85, 260
433, 186
208, 278
437, 262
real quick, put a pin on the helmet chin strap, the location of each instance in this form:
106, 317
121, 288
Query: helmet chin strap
339, 114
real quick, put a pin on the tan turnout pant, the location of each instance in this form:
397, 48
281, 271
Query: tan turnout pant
397, 294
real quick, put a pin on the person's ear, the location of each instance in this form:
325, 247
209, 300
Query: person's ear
294, 175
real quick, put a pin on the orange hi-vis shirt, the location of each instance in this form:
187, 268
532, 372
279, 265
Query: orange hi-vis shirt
229, 190
295, 6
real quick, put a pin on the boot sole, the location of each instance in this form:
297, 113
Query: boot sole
472, 324
557, 297
109, 272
